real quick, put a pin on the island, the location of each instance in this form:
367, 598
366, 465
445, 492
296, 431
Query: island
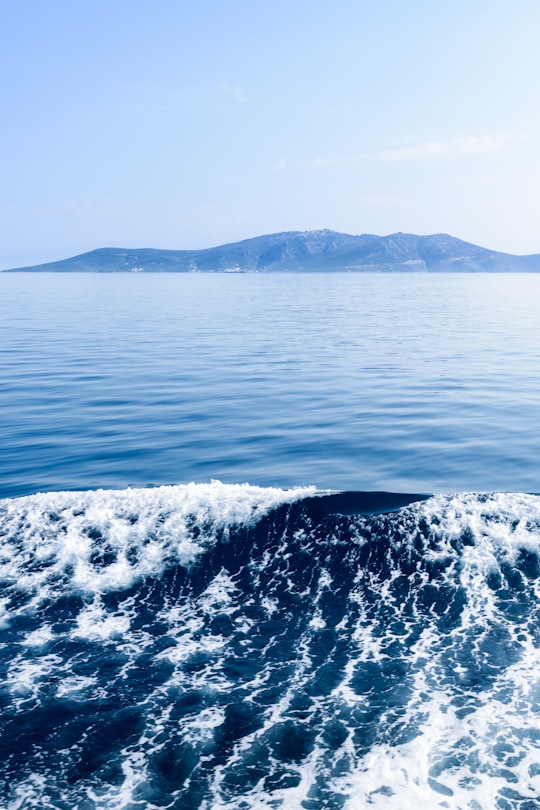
316, 251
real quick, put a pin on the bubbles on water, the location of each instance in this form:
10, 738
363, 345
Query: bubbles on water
297, 661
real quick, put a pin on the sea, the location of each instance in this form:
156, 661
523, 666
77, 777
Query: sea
269, 541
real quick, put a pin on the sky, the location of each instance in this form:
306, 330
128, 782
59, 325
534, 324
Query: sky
183, 124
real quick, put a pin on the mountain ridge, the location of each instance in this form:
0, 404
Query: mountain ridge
303, 251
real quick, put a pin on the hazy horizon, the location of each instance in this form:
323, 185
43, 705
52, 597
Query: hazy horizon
183, 127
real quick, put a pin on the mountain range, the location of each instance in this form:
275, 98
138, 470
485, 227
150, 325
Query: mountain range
303, 251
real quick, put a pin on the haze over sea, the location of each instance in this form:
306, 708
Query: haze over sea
197, 623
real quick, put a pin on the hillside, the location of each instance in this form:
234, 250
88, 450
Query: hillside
303, 251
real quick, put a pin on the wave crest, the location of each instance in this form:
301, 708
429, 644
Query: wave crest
103, 540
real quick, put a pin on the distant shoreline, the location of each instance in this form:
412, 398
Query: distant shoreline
322, 251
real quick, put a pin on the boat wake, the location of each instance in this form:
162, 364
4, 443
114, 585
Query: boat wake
229, 646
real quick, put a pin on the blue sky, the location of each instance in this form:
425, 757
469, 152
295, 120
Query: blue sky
179, 124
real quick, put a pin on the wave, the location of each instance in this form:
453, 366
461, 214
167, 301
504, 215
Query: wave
229, 646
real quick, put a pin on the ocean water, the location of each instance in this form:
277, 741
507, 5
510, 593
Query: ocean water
269, 542
370, 382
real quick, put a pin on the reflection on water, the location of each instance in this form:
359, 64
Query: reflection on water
395, 382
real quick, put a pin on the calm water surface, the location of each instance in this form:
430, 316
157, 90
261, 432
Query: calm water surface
397, 382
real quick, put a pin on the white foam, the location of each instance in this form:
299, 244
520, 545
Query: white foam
75, 687
501, 521
451, 762
29, 793
270, 605
39, 637
219, 595
426, 773
52, 542
94, 623
4, 613
26, 676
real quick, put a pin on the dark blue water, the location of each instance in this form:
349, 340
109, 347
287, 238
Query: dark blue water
226, 646
394, 382
267, 645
